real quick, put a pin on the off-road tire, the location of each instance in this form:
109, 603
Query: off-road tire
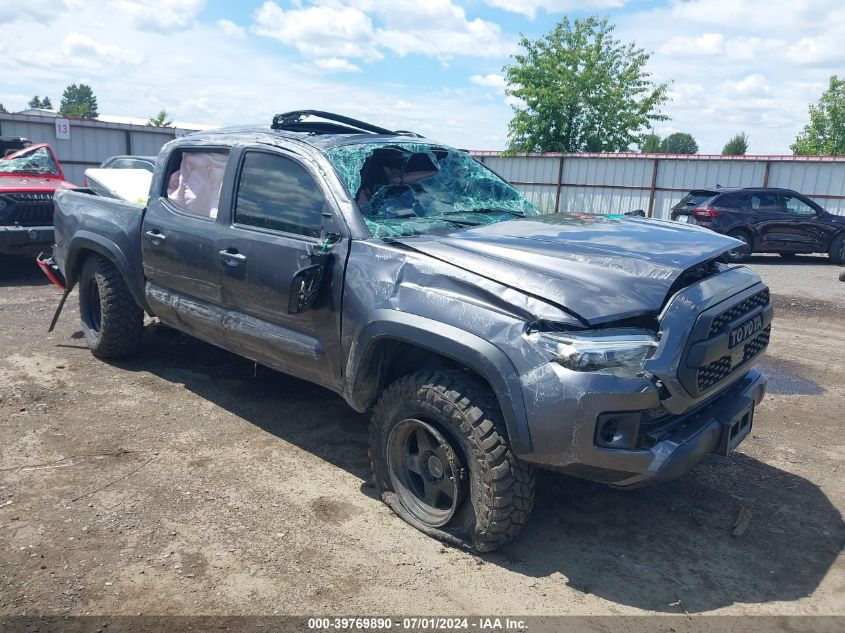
499, 489
837, 250
116, 330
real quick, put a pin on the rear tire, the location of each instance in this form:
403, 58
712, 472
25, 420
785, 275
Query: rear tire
837, 249
111, 320
441, 460
740, 253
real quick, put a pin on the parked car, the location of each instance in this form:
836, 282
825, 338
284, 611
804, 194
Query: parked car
129, 162
12, 144
765, 220
486, 338
28, 179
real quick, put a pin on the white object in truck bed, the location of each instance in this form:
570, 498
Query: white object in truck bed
132, 185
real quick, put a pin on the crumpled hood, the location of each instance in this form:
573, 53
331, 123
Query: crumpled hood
601, 268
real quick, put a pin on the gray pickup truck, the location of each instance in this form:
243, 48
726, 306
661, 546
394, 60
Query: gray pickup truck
488, 339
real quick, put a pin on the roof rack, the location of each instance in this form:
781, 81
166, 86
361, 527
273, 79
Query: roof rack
339, 124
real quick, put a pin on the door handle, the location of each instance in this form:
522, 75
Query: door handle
232, 257
155, 236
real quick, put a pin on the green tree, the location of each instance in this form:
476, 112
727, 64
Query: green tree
46, 103
737, 145
580, 89
160, 120
679, 143
35, 102
825, 133
2, 109
650, 143
79, 101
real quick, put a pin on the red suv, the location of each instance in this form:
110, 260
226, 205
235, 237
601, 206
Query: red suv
766, 220
28, 179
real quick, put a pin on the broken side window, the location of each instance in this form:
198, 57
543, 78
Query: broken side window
415, 188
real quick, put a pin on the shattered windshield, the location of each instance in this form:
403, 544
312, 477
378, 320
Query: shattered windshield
36, 161
414, 188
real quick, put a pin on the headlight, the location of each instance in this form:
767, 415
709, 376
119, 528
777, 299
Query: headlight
2, 204
619, 351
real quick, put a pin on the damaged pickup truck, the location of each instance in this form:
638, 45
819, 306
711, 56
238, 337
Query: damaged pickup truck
487, 339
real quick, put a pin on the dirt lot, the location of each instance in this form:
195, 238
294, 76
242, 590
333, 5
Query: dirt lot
186, 481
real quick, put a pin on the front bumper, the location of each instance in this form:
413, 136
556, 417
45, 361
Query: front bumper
715, 428
566, 431
25, 240
664, 421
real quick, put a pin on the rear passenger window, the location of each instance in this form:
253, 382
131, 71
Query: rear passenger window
277, 193
764, 201
194, 179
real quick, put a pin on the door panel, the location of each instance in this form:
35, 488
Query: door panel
178, 246
769, 218
803, 230
179, 252
277, 216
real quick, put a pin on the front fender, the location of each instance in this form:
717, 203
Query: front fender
465, 348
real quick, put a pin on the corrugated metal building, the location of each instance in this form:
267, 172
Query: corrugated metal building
91, 141
616, 183
597, 183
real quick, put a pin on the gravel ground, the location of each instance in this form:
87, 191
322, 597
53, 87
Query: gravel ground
805, 277
187, 481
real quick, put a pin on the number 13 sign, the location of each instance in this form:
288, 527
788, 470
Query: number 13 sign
63, 129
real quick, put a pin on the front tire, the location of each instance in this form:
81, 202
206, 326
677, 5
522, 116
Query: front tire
111, 320
441, 460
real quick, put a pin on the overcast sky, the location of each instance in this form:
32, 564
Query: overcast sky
432, 66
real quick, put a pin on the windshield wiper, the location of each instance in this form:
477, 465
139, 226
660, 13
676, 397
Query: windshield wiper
443, 217
435, 218
488, 210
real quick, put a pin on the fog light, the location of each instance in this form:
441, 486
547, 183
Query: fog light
33, 234
617, 430
609, 431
